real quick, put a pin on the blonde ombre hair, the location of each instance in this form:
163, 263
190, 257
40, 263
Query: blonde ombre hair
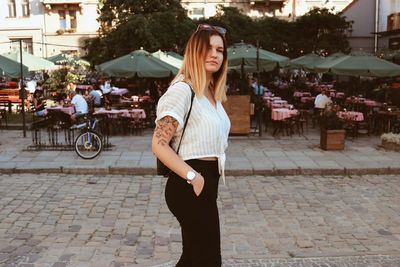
193, 67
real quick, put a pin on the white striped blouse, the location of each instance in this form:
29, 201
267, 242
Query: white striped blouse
207, 131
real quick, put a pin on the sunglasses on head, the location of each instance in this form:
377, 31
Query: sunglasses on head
208, 27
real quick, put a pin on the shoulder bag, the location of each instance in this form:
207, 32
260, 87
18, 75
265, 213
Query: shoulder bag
161, 168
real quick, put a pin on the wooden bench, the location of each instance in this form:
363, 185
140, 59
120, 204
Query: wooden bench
9, 97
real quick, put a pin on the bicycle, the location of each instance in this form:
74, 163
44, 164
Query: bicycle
88, 144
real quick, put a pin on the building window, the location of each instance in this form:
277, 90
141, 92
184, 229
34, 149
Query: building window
62, 19
72, 16
25, 8
26, 44
11, 9
393, 22
394, 43
198, 11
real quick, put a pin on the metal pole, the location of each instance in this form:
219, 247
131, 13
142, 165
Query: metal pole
22, 89
376, 25
258, 96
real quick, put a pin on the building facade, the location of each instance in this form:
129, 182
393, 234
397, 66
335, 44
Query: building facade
198, 9
47, 27
362, 14
285, 9
376, 24
297, 8
389, 25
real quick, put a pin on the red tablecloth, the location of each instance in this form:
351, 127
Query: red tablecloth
301, 94
69, 110
351, 115
119, 91
306, 99
123, 112
282, 113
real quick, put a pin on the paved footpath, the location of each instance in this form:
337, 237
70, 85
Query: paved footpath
57, 219
245, 156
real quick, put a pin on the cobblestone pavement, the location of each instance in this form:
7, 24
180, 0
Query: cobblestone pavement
112, 220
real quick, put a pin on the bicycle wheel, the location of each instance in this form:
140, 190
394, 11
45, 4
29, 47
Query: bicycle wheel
88, 145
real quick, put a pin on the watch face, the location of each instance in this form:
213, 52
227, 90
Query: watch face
190, 175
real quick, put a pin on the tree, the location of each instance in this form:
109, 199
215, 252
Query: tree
239, 26
127, 25
320, 31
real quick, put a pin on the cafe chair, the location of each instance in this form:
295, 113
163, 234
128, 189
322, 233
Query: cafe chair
3, 116
350, 125
136, 123
396, 125
364, 127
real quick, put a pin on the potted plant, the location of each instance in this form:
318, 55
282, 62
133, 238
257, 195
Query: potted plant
60, 31
332, 131
391, 141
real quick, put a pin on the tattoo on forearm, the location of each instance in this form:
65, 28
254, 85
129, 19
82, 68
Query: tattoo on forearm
165, 129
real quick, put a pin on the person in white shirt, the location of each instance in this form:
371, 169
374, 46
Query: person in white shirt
322, 100
80, 104
192, 187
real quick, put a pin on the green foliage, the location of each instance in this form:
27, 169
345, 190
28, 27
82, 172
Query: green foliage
128, 25
320, 31
59, 79
330, 121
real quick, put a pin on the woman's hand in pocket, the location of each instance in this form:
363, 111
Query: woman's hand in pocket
198, 184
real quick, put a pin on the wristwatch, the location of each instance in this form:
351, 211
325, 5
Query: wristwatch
190, 176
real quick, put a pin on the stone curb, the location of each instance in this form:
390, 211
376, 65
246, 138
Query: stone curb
343, 254
240, 172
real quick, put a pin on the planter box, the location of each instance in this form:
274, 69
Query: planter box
238, 109
332, 139
390, 146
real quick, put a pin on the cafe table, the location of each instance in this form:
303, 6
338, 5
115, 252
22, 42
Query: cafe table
279, 104
278, 114
301, 94
351, 115
70, 109
119, 91
306, 99
114, 113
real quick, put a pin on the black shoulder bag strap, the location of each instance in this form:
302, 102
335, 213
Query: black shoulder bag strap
187, 118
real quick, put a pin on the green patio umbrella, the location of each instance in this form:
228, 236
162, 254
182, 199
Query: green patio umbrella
242, 54
11, 68
137, 63
170, 58
33, 63
306, 62
360, 64
67, 59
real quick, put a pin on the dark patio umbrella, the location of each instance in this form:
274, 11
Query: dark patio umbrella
242, 54
306, 62
137, 63
11, 68
360, 64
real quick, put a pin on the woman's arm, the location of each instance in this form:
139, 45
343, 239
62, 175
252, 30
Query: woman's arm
37, 104
163, 133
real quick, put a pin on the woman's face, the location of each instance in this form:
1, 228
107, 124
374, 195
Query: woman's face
215, 54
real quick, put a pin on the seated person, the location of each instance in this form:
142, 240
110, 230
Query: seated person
96, 96
321, 101
106, 90
258, 89
80, 104
39, 102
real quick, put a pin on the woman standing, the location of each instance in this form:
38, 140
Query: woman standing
192, 187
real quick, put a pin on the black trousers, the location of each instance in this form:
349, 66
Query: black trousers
197, 216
